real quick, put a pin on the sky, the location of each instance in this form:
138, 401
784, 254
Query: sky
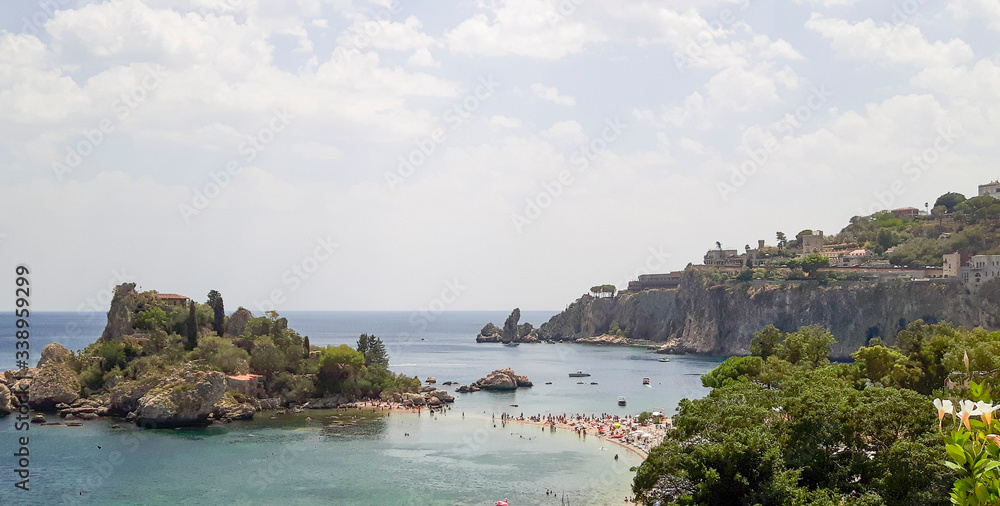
465, 155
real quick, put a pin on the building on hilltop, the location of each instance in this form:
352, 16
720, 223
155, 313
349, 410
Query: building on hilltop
172, 299
812, 243
905, 211
651, 281
979, 270
972, 270
992, 190
953, 263
724, 258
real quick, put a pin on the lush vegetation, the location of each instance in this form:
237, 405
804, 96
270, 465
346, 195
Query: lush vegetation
167, 336
786, 426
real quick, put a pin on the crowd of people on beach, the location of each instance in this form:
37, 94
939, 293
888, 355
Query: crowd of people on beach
624, 430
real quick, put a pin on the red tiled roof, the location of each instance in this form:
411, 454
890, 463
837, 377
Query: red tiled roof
245, 377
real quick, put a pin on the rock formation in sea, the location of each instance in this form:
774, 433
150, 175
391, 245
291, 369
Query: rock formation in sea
184, 398
704, 318
500, 380
52, 384
510, 326
6, 401
123, 306
490, 334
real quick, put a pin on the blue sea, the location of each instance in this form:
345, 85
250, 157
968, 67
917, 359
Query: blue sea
454, 458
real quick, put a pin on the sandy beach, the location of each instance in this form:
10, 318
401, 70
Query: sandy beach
623, 431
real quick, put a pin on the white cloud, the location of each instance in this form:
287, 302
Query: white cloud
551, 94
985, 10
504, 121
892, 44
527, 28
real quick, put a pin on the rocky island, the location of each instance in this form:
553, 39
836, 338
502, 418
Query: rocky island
164, 360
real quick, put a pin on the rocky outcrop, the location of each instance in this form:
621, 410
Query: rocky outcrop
237, 322
53, 384
441, 395
228, 408
510, 328
704, 318
606, 339
124, 397
501, 380
490, 334
123, 306
6, 401
54, 352
185, 398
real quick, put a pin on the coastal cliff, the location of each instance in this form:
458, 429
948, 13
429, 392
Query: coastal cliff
703, 318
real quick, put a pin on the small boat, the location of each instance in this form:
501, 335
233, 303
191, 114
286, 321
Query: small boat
645, 381
578, 374
664, 360
593, 382
579, 382
621, 400
548, 382
512, 343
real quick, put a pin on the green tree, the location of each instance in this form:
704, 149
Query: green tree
765, 342
338, 366
373, 350
949, 200
305, 346
267, 359
808, 345
887, 366
813, 262
153, 318
782, 240
218, 309
192, 327
221, 354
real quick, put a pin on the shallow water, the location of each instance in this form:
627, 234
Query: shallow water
444, 460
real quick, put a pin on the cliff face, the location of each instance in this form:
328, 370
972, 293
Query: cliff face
721, 320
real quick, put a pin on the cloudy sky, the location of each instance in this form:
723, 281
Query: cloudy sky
356, 155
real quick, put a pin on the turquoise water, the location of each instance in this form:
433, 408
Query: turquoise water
445, 460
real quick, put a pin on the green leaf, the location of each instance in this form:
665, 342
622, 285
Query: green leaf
953, 465
993, 464
956, 453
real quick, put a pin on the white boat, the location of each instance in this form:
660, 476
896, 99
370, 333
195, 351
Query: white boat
664, 360
578, 374
621, 400
512, 343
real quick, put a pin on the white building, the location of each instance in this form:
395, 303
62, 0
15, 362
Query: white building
992, 189
979, 270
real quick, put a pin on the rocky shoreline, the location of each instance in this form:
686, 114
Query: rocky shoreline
189, 397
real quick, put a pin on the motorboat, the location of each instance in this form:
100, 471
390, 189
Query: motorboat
578, 374
645, 381
664, 360
621, 400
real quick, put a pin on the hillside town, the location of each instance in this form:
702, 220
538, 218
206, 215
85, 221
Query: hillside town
848, 259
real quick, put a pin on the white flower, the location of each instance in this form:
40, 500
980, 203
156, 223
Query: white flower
986, 409
969, 409
944, 407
